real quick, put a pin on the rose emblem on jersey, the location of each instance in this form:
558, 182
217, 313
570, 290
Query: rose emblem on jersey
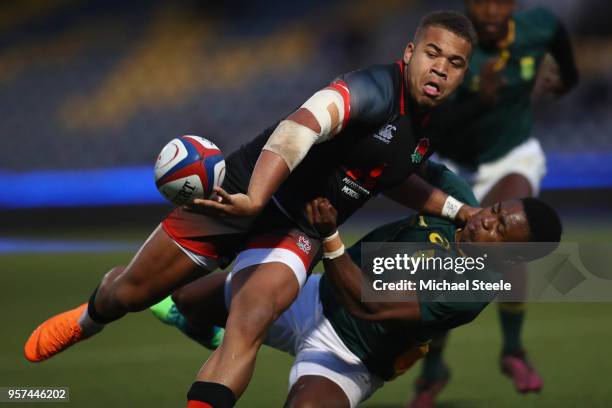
304, 244
420, 151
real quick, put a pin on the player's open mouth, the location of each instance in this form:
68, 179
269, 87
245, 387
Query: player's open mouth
432, 89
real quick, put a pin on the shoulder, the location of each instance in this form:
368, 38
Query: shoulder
536, 23
427, 230
536, 15
372, 90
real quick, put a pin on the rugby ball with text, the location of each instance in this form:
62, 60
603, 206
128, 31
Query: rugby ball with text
187, 168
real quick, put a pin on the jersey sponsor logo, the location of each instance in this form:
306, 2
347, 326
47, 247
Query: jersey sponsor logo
420, 151
304, 244
364, 181
385, 133
350, 192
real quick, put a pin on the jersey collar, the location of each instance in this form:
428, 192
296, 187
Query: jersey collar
406, 104
510, 37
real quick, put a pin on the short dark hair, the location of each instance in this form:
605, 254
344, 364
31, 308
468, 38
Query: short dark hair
452, 21
544, 222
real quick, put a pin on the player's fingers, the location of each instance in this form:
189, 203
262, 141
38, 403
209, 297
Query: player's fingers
225, 196
210, 204
324, 208
316, 214
309, 213
327, 208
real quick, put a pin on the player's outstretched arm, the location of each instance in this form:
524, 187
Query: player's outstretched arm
421, 196
346, 276
562, 52
317, 120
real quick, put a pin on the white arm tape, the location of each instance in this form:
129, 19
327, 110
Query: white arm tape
291, 141
327, 106
451, 207
334, 254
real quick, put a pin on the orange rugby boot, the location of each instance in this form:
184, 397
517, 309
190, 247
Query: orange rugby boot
54, 335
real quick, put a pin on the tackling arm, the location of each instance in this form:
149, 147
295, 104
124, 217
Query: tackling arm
418, 194
346, 276
561, 51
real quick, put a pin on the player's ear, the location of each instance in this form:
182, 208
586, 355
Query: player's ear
408, 52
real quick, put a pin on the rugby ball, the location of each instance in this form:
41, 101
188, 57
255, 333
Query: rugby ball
187, 168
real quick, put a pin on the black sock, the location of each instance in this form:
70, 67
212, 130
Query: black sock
91, 310
214, 395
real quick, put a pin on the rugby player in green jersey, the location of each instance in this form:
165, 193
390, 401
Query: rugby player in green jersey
492, 147
346, 349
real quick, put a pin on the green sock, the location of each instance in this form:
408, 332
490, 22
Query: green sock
511, 317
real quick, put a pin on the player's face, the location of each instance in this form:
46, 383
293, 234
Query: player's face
502, 222
490, 17
436, 65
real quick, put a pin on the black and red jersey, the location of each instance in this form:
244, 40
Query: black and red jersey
383, 142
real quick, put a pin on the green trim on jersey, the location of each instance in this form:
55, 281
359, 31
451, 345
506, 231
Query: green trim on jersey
498, 129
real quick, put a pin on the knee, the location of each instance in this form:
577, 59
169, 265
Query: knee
120, 293
110, 277
106, 290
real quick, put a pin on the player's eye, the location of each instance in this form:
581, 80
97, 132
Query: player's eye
431, 54
456, 63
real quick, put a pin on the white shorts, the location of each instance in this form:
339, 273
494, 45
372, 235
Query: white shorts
526, 159
303, 331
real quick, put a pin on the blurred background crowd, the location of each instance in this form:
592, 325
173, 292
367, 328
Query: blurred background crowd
105, 83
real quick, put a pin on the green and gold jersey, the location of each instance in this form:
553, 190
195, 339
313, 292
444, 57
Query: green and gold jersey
381, 345
492, 131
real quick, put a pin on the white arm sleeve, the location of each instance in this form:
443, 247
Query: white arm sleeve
327, 106
292, 141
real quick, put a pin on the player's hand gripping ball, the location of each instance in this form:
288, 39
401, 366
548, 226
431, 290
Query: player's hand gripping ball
187, 168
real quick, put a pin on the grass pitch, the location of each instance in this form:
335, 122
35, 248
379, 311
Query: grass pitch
138, 362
